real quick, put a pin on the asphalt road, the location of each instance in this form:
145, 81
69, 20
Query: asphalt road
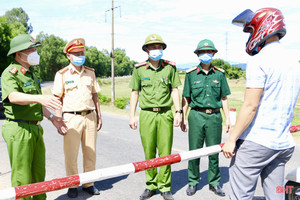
117, 144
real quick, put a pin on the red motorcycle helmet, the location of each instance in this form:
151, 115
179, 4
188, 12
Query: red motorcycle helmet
261, 25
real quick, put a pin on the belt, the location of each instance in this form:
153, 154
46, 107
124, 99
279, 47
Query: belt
207, 111
24, 121
157, 109
83, 113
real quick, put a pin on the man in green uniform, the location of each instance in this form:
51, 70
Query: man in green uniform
205, 91
24, 109
154, 83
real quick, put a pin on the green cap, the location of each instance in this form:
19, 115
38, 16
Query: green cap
22, 42
206, 45
153, 39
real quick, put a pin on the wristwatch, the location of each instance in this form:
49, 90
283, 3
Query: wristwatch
50, 116
178, 111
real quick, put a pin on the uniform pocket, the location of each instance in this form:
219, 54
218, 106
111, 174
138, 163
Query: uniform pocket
216, 89
147, 87
197, 90
31, 89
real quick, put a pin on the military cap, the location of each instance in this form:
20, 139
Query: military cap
154, 39
22, 42
206, 45
75, 45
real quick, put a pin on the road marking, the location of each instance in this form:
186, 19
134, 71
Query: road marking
104, 132
178, 150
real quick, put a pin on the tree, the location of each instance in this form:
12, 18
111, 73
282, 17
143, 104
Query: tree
19, 15
123, 65
52, 58
97, 60
7, 32
231, 72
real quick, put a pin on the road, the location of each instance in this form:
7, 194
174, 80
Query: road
117, 144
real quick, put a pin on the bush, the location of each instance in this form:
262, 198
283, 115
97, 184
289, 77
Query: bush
121, 102
103, 99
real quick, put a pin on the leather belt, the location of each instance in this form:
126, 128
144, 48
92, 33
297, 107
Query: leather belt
207, 111
24, 121
157, 109
83, 113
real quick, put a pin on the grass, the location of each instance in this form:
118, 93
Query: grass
122, 90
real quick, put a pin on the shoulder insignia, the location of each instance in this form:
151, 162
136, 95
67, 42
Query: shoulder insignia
63, 70
219, 69
170, 62
191, 69
89, 68
140, 64
13, 70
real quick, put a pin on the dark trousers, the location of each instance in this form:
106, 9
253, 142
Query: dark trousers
204, 128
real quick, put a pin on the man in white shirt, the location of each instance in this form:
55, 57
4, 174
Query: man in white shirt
260, 143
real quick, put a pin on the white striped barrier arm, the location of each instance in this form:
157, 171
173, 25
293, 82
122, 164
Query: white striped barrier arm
102, 174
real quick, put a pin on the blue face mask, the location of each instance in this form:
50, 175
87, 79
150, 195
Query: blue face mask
156, 54
78, 60
205, 58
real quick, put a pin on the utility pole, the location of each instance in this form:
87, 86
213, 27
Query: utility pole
112, 55
112, 51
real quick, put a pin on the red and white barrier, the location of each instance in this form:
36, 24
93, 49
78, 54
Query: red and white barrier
294, 128
102, 174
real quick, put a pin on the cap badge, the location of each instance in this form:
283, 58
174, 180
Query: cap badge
32, 39
153, 38
77, 42
205, 44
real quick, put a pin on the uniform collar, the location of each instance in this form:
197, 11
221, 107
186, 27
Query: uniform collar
161, 64
74, 70
22, 69
200, 69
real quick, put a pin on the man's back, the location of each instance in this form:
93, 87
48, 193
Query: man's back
277, 71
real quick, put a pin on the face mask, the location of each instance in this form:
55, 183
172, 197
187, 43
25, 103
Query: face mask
205, 58
78, 60
33, 58
156, 54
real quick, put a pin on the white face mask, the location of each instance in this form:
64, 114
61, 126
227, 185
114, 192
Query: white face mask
33, 58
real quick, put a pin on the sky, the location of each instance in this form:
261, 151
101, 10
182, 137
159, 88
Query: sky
181, 23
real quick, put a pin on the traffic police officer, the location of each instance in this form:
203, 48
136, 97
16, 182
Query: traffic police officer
155, 83
24, 109
77, 87
205, 91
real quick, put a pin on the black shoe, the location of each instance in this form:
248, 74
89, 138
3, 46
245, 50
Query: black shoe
91, 190
147, 194
167, 195
72, 192
217, 190
191, 190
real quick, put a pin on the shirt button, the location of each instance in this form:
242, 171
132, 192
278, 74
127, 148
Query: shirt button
206, 85
207, 95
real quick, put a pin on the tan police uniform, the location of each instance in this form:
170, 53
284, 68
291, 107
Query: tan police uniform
75, 89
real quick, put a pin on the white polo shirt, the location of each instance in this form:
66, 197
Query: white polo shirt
277, 71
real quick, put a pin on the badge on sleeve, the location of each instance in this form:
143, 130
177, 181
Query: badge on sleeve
13, 70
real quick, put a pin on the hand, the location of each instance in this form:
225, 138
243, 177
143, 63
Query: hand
133, 123
184, 125
51, 102
227, 126
177, 120
59, 123
228, 149
99, 123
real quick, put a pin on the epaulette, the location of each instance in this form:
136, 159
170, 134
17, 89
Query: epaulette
140, 64
170, 62
63, 70
89, 68
13, 70
220, 69
191, 69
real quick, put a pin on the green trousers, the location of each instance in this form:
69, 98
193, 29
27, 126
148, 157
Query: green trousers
204, 128
26, 151
156, 129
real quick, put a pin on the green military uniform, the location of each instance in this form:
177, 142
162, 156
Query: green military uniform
205, 92
21, 130
156, 127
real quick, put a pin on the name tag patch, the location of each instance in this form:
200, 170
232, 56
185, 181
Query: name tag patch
27, 84
68, 82
145, 78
